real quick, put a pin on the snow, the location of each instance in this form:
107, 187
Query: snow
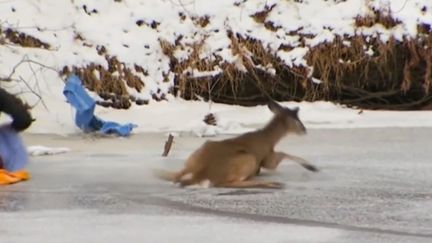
38, 150
179, 116
114, 25
408, 12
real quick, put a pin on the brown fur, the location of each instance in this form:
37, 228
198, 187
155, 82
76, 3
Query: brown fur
234, 162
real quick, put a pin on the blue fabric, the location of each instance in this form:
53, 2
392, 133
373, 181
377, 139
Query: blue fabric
12, 150
85, 105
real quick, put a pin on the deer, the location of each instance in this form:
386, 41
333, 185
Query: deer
234, 162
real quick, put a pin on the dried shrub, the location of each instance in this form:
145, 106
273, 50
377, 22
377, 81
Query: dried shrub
153, 24
376, 16
24, 40
357, 71
385, 75
210, 119
397, 75
261, 16
354, 70
182, 69
110, 84
271, 26
234, 86
202, 21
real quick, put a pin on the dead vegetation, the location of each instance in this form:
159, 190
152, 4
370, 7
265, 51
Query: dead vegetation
357, 71
184, 69
210, 119
153, 24
22, 39
375, 16
202, 21
261, 17
110, 84
250, 86
392, 75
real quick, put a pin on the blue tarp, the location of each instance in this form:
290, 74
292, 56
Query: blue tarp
85, 105
12, 150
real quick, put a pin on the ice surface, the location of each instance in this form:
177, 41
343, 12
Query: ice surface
373, 187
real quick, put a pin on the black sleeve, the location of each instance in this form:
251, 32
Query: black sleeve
16, 109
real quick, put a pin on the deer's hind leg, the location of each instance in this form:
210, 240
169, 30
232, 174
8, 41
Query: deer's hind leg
240, 170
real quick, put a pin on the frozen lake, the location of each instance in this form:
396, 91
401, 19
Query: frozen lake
375, 186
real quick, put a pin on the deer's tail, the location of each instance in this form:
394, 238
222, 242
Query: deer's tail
184, 177
165, 175
170, 175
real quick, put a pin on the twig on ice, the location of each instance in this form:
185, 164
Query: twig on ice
168, 144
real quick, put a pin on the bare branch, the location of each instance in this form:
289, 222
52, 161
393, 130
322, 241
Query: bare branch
35, 93
25, 59
33, 90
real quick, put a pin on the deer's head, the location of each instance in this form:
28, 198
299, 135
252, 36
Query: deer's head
288, 117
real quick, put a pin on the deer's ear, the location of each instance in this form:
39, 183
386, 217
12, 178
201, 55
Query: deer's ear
274, 107
295, 110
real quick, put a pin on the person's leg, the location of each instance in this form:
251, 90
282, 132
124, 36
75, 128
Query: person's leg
13, 154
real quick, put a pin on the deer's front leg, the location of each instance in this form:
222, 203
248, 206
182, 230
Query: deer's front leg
272, 160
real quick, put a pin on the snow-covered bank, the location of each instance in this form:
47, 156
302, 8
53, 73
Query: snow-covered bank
132, 31
55, 116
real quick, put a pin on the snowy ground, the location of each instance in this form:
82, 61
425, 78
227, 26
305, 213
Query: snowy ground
186, 117
374, 187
